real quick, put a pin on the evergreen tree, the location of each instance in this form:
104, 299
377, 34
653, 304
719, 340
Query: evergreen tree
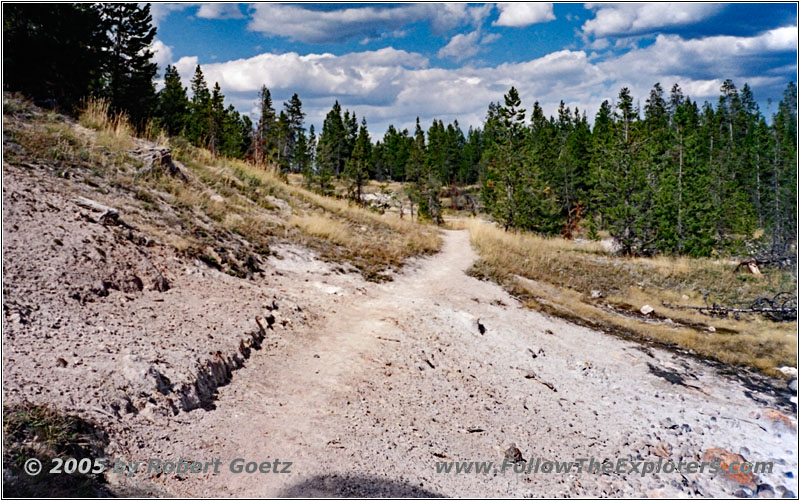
357, 169
266, 131
295, 117
625, 183
173, 104
53, 51
416, 170
128, 66
199, 110
505, 174
332, 152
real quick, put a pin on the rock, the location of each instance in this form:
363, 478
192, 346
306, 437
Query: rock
779, 420
217, 198
743, 493
596, 294
60, 362
726, 458
792, 385
646, 309
711, 328
765, 491
668, 423
143, 377
788, 371
662, 450
789, 495
514, 454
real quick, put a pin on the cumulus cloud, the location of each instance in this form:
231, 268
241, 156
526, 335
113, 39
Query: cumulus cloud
162, 53
520, 14
631, 18
395, 86
466, 45
710, 56
160, 11
314, 26
220, 11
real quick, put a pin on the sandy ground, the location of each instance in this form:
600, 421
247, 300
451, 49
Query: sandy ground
363, 387
391, 379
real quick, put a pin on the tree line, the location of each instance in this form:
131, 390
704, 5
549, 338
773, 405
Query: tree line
674, 177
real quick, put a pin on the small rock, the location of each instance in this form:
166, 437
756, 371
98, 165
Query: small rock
662, 450
789, 495
596, 294
514, 454
668, 423
711, 328
792, 385
60, 362
788, 371
779, 420
646, 309
765, 491
727, 458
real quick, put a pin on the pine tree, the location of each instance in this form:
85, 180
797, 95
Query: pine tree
52, 51
295, 117
129, 70
266, 131
625, 183
357, 169
199, 110
216, 119
173, 104
332, 150
415, 170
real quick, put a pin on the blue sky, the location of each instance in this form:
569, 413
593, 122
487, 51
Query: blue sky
394, 62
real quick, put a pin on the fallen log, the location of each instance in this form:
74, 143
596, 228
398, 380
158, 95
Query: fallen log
109, 214
780, 308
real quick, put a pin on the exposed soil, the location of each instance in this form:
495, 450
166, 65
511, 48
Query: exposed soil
364, 387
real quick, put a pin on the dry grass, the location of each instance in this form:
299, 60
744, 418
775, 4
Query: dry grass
338, 229
319, 225
558, 276
114, 129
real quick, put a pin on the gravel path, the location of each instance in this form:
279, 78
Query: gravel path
386, 380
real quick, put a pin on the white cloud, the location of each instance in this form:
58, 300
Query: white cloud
160, 11
162, 53
632, 18
710, 57
461, 46
314, 26
521, 14
395, 86
220, 11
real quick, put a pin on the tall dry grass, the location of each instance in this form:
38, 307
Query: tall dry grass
559, 277
114, 129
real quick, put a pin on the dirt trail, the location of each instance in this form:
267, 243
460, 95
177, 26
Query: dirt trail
390, 379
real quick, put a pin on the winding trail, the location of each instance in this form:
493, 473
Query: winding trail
390, 379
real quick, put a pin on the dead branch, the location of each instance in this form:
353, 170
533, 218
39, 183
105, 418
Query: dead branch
780, 308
